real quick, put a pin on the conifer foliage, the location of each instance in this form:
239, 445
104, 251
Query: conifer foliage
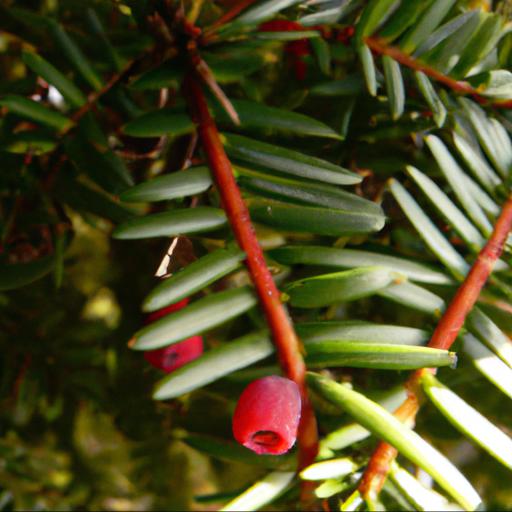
267, 239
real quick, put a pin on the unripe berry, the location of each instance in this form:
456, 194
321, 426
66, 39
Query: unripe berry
267, 415
174, 356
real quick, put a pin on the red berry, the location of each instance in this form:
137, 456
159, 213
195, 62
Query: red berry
174, 356
295, 49
300, 68
299, 48
345, 35
279, 26
156, 315
267, 415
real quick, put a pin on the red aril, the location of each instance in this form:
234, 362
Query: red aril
295, 49
267, 415
174, 356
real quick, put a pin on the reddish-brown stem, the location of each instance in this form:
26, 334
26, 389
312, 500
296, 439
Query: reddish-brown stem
27, 361
453, 318
159, 146
380, 46
377, 469
229, 15
443, 337
95, 96
204, 71
503, 104
285, 339
152, 154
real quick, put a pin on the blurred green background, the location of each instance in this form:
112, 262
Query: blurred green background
78, 426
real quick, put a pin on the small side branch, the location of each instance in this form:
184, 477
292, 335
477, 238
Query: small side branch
285, 339
443, 337
95, 96
379, 46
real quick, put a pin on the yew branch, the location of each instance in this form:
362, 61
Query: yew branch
285, 339
443, 337
380, 46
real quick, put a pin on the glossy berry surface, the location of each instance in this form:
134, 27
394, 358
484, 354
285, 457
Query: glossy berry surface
174, 356
267, 415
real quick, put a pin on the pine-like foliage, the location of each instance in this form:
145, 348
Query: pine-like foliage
370, 141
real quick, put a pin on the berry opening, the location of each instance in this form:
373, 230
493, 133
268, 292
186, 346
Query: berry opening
267, 415
267, 442
266, 438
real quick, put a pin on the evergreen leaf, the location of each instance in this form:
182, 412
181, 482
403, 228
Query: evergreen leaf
411, 445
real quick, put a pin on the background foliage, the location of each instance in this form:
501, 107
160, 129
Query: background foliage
79, 427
